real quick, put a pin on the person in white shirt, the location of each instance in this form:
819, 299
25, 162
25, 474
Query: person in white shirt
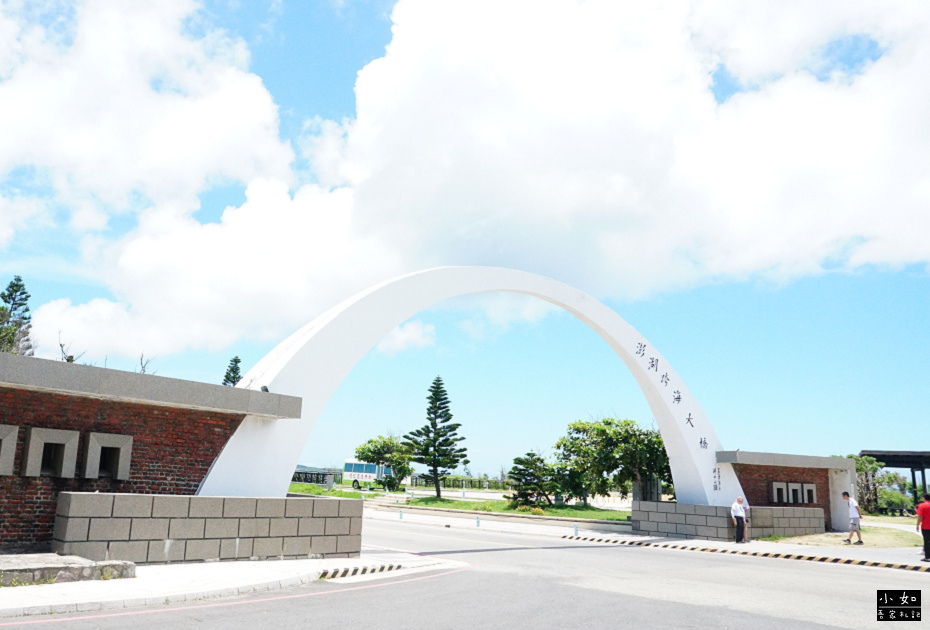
854, 515
738, 512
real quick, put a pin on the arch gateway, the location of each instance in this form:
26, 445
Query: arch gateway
263, 453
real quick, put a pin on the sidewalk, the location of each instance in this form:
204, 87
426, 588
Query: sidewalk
897, 557
173, 583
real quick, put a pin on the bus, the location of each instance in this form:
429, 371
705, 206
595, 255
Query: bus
360, 472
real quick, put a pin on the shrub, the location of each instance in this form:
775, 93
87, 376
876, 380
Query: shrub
538, 511
524, 508
487, 507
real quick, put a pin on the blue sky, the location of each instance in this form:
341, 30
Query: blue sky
194, 181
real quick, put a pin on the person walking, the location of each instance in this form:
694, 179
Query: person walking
855, 516
923, 524
738, 512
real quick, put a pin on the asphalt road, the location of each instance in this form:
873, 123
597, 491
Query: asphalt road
497, 580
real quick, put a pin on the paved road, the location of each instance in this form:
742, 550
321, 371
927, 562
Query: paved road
502, 580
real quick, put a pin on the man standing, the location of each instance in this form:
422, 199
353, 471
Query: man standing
738, 512
855, 514
923, 524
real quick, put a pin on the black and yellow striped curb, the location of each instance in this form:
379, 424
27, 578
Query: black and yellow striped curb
759, 554
329, 574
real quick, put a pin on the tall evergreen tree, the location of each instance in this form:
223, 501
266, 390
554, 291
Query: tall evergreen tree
435, 444
233, 375
15, 320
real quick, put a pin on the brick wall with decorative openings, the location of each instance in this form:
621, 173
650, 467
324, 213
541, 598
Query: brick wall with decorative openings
172, 451
755, 480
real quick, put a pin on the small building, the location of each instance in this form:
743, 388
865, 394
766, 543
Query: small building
788, 495
76, 428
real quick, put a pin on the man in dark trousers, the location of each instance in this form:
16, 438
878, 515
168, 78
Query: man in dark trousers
923, 524
738, 512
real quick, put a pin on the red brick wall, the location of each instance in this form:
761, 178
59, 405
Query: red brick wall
172, 450
755, 481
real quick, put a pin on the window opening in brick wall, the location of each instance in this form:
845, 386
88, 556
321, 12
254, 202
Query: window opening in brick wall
810, 496
109, 462
779, 495
795, 495
53, 457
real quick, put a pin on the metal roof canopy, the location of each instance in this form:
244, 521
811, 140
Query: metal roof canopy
918, 460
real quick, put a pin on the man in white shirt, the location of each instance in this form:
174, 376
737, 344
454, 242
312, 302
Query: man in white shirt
738, 512
854, 515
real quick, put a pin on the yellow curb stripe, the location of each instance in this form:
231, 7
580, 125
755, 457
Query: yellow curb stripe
759, 554
329, 574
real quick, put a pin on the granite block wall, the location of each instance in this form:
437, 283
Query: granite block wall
147, 529
710, 522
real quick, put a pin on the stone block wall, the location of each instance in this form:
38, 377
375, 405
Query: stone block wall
149, 529
711, 522
173, 448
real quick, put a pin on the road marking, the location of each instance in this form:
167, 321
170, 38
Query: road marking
757, 554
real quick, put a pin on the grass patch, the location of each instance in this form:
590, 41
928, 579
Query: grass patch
318, 491
875, 537
504, 507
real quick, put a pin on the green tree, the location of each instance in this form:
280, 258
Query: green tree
587, 457
534, 479
436, 444
641, 454
15, 320
387, 451
233, 375
867, 470
599, 455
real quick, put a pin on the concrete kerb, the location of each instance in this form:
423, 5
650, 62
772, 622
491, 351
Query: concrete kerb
173, 584
758, 554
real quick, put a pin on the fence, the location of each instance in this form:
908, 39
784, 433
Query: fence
318, 478
465, 484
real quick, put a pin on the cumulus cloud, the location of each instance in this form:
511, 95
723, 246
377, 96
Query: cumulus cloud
414, 334
268, 266
580, 140
127, 110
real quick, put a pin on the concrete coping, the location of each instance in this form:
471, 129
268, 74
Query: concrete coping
779, 459
93, 382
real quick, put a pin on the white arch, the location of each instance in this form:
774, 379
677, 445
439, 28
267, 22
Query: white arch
262, 455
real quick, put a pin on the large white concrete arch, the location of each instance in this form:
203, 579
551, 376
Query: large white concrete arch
262, 455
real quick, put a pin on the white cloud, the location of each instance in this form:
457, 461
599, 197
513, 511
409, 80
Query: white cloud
15, 213
582, 141
130, 110
576, 140
414, 334
267, 267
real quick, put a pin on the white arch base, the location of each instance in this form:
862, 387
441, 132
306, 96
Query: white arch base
262, 455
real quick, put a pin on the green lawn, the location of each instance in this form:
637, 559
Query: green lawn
881, 537
315, 490
504, 507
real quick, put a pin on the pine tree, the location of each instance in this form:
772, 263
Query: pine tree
15, 320
435, 444
232, 373
533, 480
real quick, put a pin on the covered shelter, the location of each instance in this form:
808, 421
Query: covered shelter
915, 460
